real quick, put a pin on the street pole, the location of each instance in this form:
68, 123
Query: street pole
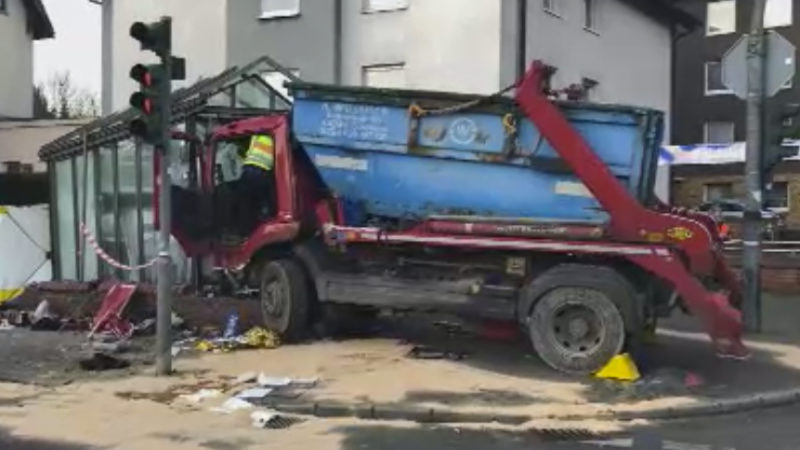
164, 289
751, 249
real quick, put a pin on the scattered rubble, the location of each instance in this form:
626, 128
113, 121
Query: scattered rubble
426, 352
100, 362
201, 395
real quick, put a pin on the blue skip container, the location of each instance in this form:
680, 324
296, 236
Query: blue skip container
415, 155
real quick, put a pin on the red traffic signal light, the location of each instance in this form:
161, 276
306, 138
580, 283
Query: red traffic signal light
142, 74
142, 102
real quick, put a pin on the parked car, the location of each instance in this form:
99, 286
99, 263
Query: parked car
731, 211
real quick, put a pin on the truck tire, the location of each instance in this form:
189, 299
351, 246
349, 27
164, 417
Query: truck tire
580, 317
285, 299
576, 330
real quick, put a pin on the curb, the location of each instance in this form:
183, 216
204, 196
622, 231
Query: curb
433, 415
711, 408
398, 412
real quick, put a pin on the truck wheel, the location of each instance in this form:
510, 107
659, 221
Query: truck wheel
576, 330
285, 299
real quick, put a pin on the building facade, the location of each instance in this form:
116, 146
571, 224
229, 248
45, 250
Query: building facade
619, 49
21, 23
704, 109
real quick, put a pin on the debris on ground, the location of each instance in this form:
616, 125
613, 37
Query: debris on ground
100, 362
247, 377
115, 346
174, 392
255, 338
146, 326
231, 325
265, 380
254, 393
108, 317
258, 337
426, 352
693, 380
232, 405
500, 330
654, 384
452, 328
201, 395
44, 319
6, 325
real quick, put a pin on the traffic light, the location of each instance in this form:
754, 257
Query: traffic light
784, 125
155, 37
149, 101
153, 98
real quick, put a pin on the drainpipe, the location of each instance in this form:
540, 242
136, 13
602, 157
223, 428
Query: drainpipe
337, 41
522, 36
107, 74
673, 76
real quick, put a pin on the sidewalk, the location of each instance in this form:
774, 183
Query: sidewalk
375, 374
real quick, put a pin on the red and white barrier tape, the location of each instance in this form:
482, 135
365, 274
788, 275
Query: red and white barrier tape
107, 258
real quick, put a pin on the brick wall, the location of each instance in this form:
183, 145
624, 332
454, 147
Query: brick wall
687, 190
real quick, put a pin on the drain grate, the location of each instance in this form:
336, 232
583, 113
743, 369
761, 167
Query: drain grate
565, 434
281, 422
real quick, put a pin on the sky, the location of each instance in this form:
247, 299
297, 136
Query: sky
76, 47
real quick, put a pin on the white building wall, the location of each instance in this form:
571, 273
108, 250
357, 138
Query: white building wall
628, 53
16, 68
198, 34
442, 44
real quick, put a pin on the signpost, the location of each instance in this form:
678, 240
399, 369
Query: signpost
757, 66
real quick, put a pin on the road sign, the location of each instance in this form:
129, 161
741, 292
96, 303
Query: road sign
780, 65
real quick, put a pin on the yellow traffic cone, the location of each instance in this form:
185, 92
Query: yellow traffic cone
620, 368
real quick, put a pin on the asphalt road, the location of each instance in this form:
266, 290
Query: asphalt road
775, 429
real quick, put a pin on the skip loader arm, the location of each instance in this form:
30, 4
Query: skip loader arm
695, 245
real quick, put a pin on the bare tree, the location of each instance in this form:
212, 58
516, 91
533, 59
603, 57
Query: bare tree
41, 106
66, 101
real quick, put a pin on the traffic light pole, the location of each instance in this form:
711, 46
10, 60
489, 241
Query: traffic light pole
751, 248
164, 290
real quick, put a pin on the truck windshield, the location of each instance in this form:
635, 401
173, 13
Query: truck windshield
228, 160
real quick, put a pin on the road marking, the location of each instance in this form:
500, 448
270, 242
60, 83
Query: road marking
666, 445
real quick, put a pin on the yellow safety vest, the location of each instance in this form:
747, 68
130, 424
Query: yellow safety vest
261, 152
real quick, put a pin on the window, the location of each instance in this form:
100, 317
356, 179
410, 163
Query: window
714, 84
552, 7
589, 7
778, 13
718, 133
717, 191
721, 17
385, 5
384, 75
776, 197
271, 9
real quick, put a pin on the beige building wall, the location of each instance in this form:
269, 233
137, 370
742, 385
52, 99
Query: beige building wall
20, 141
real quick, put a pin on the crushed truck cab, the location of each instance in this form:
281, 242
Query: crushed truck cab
526, 209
